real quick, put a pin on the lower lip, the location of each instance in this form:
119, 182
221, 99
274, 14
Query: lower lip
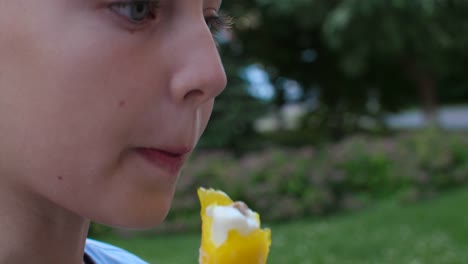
167, 161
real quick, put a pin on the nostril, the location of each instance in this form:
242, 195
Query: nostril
194, 94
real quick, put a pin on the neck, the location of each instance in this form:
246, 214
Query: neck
33, 229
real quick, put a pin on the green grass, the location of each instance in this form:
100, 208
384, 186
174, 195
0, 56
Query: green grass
431, 232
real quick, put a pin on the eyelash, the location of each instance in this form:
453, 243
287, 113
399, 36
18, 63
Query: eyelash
216, 24
219, 23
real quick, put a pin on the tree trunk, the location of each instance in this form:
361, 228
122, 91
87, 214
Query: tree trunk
280, 102
426, 85
427, 91
337, 120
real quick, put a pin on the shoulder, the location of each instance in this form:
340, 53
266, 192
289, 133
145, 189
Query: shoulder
102, 253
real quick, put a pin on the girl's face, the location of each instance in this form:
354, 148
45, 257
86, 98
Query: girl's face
101, 101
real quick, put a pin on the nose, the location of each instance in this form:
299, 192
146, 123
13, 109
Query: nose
197, 72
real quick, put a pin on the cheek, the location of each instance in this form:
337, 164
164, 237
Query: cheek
64, 123
76, 90
61, 105
68, 103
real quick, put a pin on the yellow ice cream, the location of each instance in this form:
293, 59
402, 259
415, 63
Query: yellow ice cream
231, 232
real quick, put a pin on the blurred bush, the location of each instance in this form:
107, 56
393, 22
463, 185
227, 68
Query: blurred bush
96, 230
283, 184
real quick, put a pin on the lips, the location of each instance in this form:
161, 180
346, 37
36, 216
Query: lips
169, 159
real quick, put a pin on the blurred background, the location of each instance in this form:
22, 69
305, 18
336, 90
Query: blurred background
344, 125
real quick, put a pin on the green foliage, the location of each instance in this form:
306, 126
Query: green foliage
442, 161
433, 232
371, 167
425, 28
96, 230
401, 53
408, 40
292, 138
284, 184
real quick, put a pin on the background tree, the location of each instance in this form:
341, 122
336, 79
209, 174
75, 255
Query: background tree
421, 43
352, 58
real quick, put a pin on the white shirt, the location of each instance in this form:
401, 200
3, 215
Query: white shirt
102, 253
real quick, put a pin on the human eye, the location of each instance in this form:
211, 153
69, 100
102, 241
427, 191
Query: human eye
136, 11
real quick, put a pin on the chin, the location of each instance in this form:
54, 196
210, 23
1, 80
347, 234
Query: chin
137, 216
144, 221
150, 222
